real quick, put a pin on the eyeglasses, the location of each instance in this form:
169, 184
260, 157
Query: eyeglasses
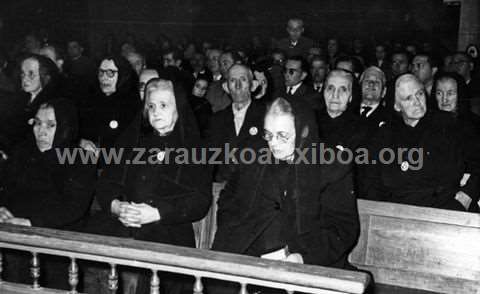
30, 75
283, 137
109, 72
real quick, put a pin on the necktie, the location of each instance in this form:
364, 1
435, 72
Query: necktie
365, 110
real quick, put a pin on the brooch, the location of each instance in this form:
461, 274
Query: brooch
113, 124
253, 131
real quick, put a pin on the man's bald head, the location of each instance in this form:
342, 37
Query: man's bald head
241, 68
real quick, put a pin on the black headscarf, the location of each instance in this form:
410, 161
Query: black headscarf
462, 92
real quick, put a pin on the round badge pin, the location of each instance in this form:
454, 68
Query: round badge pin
404, 166
113, 124
253, 131
161, 156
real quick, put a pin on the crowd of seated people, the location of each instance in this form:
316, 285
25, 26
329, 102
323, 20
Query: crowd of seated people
397, 125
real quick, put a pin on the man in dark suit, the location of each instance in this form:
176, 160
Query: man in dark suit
373, 84
296, 71
295, 44
318, 72
240, 121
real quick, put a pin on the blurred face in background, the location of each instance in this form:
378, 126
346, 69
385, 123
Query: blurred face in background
30, 76
399, 64
200, 88
295, 29
74, 49
214, 61
319, 70
145, 76
447, 94
44, 127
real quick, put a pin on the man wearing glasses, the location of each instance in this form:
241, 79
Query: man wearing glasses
295, 72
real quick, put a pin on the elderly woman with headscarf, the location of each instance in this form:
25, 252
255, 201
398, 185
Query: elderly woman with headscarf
113, 108
293, 208
150, 195
450, 93
42, 189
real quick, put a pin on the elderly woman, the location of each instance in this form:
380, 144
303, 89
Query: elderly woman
39, 189
450, 93
38, 76
157, 199
113, 108
291, 209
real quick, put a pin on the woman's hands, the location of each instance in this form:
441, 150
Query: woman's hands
134, 215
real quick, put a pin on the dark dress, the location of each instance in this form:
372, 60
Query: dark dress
49, 193
180, 192
308, 207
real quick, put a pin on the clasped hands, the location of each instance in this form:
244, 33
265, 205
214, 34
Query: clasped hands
7, 217
135, 215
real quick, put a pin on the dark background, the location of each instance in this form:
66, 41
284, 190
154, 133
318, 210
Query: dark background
231, 21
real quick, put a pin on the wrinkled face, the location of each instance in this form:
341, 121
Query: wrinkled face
239, 84
74, 49
399, 64
294, 30
168, 60
319, 70
411, 101
447, 95
279, 131
198, 62
372, 87
145, 76
226, 62
422, 69
108, 76
30, 76
337, 94
200, 88
293, 73
380, 52
44, 127
136, 61
332, 47
462, 66
214, 61
162, 110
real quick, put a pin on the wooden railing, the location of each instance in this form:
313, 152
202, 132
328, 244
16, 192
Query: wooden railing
156, 257
418, 247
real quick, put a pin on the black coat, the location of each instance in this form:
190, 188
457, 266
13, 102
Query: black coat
321, 208
180, 192
346, 130
403, 181
202, 110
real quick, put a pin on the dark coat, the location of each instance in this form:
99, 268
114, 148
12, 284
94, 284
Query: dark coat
39, 187
218, 98
300, 49
323, 217
442, 167
180, 192
202, 110
221, 131
346, 130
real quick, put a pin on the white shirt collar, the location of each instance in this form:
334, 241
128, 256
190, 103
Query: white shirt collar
239, 116
294, 88
371, 110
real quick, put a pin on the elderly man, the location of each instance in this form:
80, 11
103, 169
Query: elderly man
295, 44
216, 95
339, 126
318, 72
373, 85
243, 119
424, 166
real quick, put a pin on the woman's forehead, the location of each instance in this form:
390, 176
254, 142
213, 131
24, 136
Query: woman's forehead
279, 122
108, 64
46, 114
161, 95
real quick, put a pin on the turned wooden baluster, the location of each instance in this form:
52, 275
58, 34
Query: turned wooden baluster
198, 286
155, 283
73, 276
113, 279
243, 289
35, 271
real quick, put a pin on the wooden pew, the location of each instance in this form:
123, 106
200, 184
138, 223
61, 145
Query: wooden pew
421, 248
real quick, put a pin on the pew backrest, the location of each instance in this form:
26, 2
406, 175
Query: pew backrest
416, 247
